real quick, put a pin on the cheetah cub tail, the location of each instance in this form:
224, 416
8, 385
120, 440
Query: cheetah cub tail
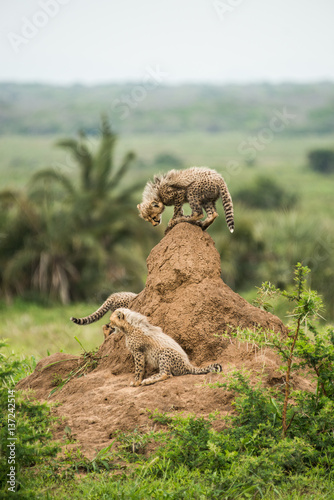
207, 369
227, 204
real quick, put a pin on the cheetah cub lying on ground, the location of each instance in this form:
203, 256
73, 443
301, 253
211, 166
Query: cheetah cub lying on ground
199, 186
149, 345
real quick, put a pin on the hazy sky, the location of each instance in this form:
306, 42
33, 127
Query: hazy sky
219, 41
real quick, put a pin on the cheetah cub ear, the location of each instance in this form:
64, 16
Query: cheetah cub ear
120, 315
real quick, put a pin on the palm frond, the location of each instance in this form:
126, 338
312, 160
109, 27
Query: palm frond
83, 157
123, 169
104, 156
9, 198
51, 175
19, 265
124, 196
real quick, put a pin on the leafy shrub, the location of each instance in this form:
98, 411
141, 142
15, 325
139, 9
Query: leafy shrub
266, 194
321, 160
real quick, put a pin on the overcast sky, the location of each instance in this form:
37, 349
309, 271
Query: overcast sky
214, 41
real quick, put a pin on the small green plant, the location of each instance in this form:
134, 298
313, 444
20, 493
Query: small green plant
75, 461
89, 362
131, 446
303, 345
56, 380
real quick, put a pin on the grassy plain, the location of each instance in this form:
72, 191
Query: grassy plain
23, 154
36, 330
284, 157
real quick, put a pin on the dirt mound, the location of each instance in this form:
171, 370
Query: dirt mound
187, 298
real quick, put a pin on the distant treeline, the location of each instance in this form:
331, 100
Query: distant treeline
151, 107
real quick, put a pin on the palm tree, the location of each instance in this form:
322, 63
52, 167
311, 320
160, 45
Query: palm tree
39, 250
96, 194
67, 237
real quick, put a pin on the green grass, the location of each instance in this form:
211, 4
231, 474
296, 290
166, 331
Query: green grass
21, 155
182, 485
34, 330
284, 158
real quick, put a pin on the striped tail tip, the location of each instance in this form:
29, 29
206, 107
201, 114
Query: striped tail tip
75, 320
230, 224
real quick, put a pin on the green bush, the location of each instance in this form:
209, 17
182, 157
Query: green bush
265, 193
321, 160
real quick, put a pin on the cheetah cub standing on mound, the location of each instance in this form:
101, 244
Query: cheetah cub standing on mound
199, 186
149, 345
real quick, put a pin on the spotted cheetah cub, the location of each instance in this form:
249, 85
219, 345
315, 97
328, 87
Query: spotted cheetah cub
149, 345
113, 302
199, 186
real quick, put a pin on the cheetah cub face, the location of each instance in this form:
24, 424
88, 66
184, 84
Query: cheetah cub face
117, 319
151, 211
117, 323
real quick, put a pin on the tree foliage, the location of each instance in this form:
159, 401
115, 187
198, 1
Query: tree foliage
265, 193
68, 236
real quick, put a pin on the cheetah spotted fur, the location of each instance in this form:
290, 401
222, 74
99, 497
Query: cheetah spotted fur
150, 346
199, 186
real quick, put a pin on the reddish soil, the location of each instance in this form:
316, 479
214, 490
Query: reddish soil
186, 296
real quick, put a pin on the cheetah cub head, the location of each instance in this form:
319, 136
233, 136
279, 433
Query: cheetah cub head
151, 211
117, 320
